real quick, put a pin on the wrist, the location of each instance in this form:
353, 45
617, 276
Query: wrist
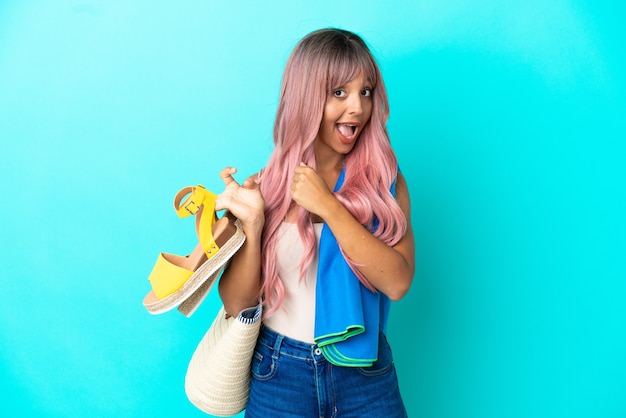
332, 209
254, 229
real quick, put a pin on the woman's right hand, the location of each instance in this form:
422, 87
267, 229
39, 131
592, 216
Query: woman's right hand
240, 284
244, 201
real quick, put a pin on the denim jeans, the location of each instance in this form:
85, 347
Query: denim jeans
291, 378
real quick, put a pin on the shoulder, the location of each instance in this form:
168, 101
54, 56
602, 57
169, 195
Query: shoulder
402, 193
401, 184
401, 180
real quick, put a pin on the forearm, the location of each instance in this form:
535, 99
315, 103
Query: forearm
240, 285
388, 269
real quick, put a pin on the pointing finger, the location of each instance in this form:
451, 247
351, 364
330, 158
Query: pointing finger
227, 175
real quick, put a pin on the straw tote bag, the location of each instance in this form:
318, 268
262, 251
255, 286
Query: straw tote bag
218, 375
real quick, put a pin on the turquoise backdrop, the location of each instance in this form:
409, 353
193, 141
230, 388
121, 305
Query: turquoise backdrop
509, 122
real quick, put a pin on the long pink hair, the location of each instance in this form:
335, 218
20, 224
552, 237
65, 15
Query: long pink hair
321, 62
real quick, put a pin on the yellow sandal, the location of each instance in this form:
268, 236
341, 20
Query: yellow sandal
188, 279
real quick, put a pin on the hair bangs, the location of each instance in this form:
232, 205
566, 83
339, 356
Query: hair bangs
348, 62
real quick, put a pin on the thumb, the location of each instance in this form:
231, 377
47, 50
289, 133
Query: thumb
250, 184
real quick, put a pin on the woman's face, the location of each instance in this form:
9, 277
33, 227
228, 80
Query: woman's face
347, 110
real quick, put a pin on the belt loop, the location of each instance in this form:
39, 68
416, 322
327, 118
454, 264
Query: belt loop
277, 344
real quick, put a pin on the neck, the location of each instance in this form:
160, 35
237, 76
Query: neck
328, 163
330, 173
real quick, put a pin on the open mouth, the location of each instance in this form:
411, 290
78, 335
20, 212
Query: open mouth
347, 130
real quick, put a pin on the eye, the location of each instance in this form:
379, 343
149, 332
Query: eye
339, 93
366, 92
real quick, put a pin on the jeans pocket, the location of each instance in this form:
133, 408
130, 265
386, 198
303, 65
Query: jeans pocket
384, 363
263, 364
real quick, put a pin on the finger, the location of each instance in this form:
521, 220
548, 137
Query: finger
303, 168
221, 202
227, 175
299, 170
250, 184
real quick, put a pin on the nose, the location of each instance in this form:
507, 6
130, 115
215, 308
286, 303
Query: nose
355, 106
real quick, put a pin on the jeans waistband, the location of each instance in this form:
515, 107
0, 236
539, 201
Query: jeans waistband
285, 346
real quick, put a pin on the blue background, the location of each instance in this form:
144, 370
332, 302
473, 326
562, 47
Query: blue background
508, 120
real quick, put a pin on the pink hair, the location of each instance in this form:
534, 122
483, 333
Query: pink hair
322, 61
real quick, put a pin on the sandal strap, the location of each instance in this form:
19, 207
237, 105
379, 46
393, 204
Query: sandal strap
167, 276
201, 202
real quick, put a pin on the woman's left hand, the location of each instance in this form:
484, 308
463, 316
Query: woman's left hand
309, 190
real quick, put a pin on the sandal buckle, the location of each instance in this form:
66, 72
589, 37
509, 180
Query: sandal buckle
191, 207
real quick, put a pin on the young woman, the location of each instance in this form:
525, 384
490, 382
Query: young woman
329, 242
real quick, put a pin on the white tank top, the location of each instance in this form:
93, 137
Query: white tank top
295, 318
